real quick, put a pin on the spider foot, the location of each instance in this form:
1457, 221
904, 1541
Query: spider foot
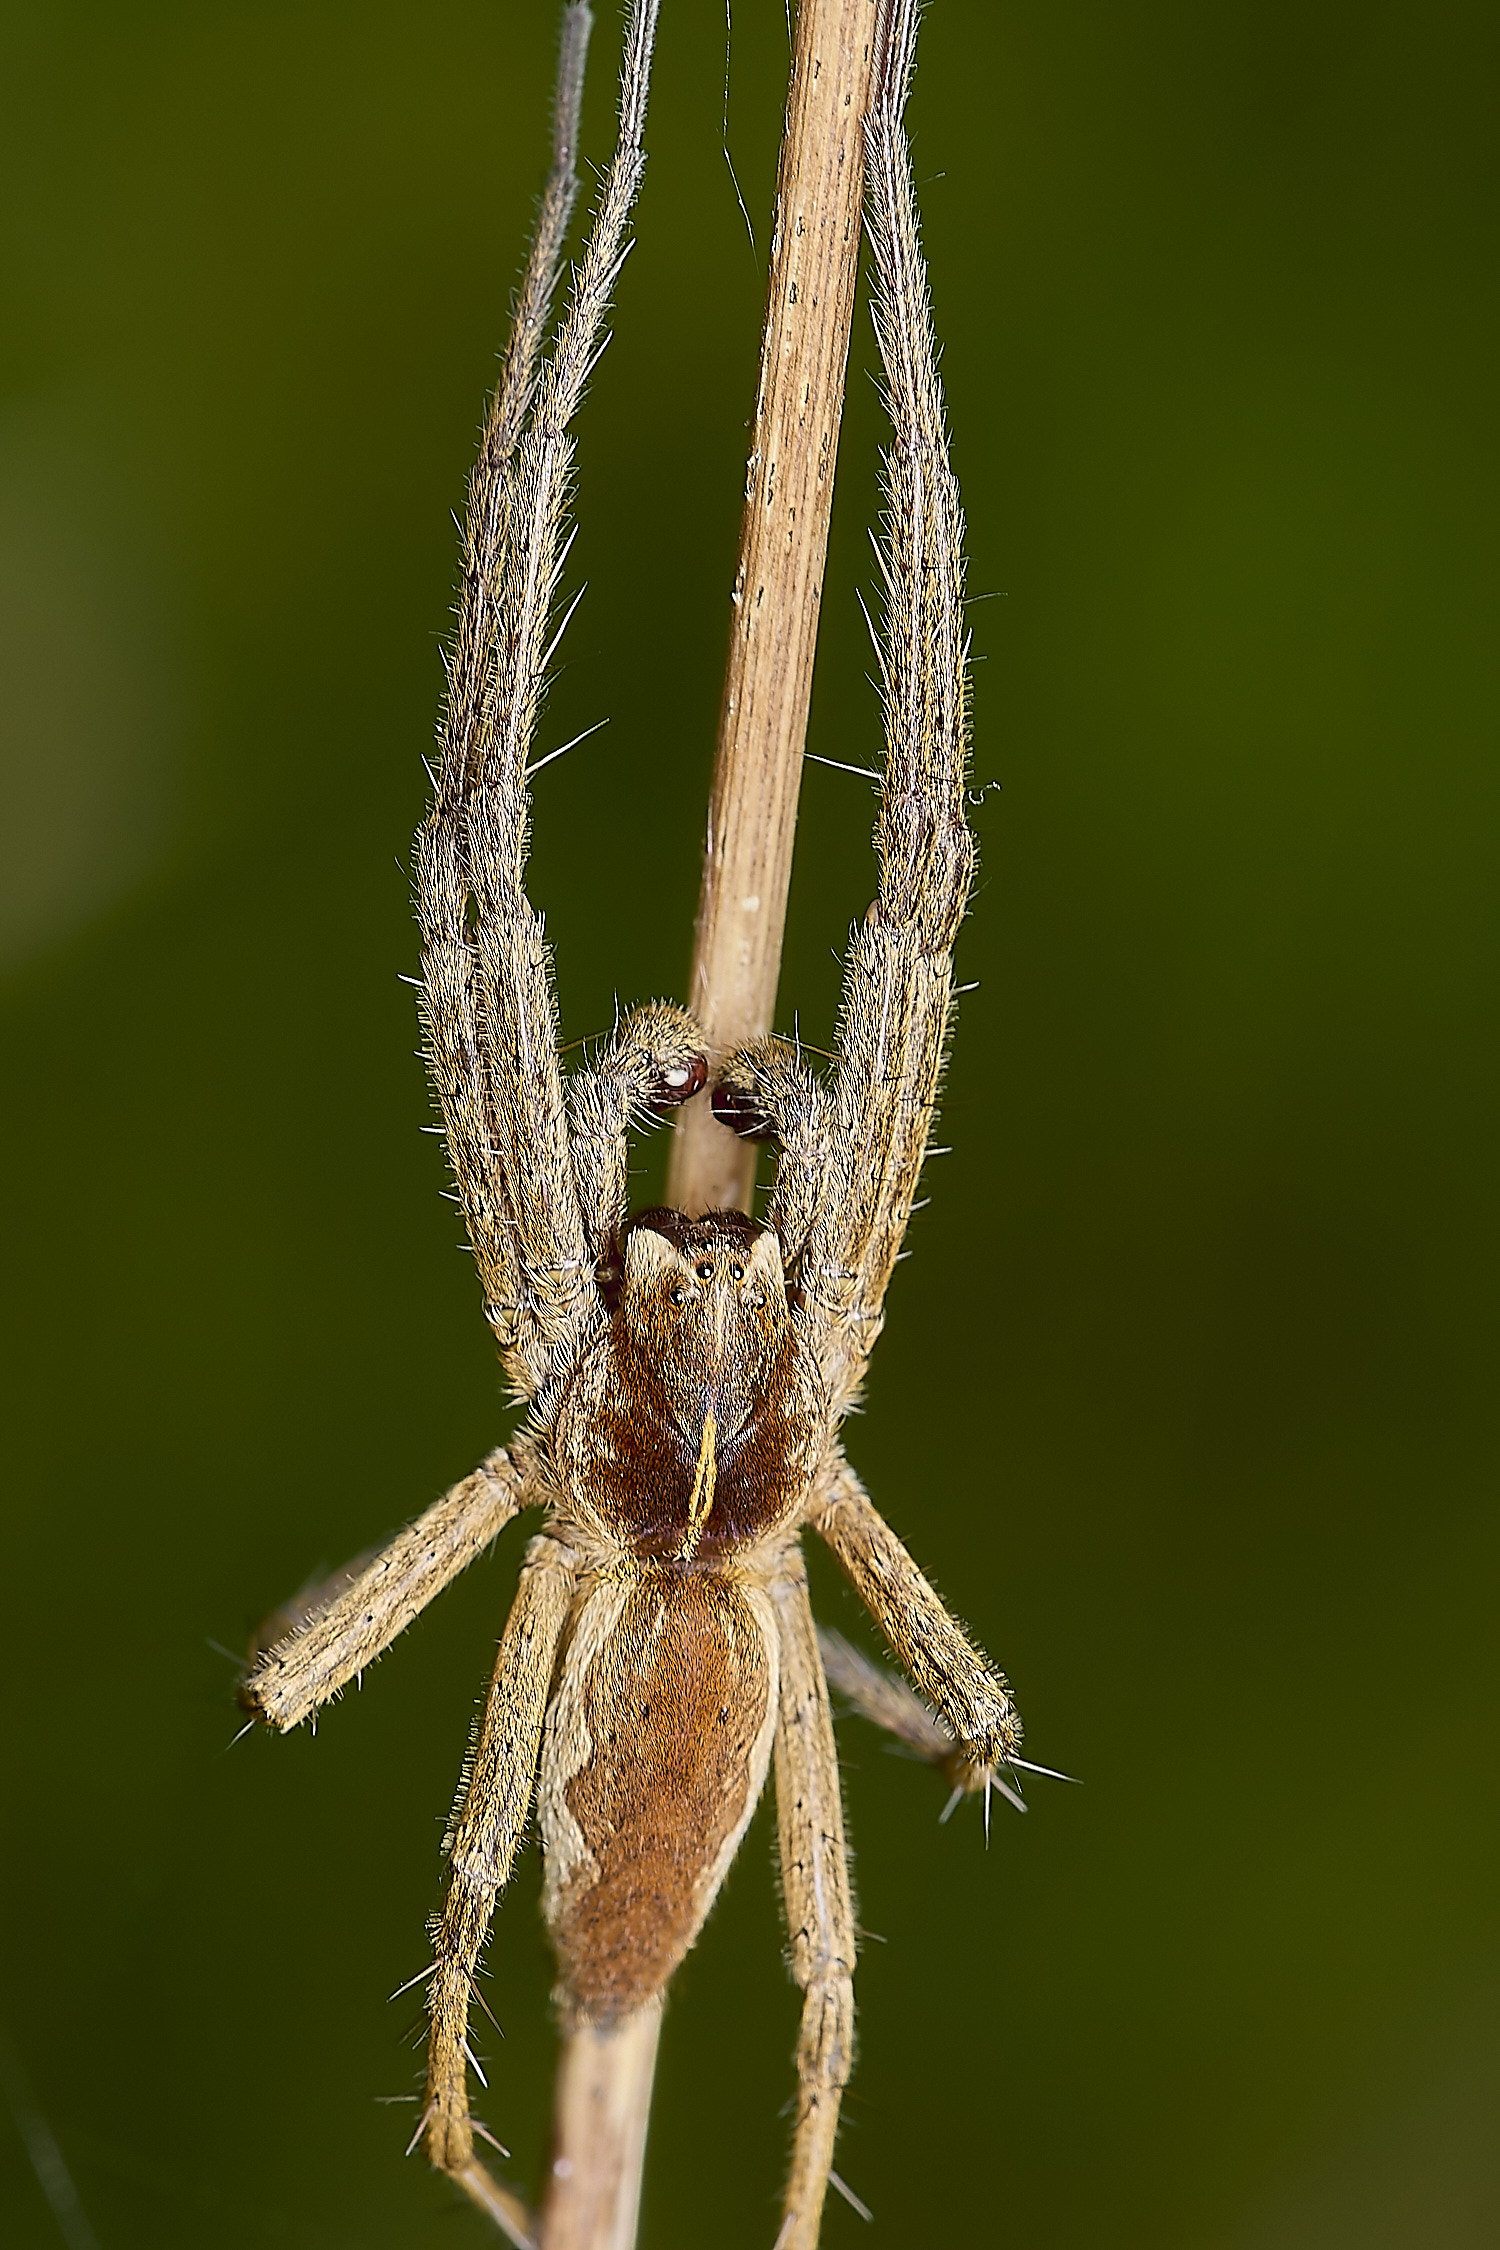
515, 2221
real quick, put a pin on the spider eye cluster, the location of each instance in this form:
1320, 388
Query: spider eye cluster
666, 1259
679, 1293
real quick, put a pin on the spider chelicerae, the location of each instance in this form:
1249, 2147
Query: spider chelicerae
685, 1375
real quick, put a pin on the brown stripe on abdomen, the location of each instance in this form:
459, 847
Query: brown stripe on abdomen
656, 1751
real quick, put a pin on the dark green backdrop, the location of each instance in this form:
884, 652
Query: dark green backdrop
1186, 1398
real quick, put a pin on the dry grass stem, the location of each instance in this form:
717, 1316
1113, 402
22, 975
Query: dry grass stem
603, 2105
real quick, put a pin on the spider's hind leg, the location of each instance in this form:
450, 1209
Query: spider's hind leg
933, 1650
486, 1832
819, 1908
655, 1062
888, 1703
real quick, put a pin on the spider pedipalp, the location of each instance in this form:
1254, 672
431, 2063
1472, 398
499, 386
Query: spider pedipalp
737, 1109
676, 1082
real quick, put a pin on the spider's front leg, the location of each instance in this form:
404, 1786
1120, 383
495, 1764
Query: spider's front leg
487, 1827
852, 1156
488, 1010
898, 973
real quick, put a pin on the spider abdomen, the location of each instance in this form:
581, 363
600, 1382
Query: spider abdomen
655, 1752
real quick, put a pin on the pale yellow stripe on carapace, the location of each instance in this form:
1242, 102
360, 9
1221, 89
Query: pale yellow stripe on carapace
706, 1476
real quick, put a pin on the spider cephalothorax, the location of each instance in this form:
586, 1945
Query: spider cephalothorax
693, 1425
685, 1404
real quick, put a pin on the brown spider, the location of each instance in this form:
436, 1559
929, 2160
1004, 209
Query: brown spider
686, 1376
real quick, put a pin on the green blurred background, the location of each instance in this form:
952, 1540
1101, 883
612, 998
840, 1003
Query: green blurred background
1186, 1398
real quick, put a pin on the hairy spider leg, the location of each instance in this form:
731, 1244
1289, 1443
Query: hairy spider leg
898, 971
342, 1637
934, 1651
488, 1010
818, 1905
853, 1157
489, 1818
888, 1703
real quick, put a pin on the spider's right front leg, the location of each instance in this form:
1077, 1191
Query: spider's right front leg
486, 1831
487, 1004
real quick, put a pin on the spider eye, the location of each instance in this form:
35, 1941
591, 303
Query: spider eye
738, 1272
679, 1295
705, 1272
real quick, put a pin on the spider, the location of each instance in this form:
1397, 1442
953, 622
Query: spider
685, 1374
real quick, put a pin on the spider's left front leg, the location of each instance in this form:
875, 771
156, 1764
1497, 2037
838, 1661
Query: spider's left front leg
819, 1908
